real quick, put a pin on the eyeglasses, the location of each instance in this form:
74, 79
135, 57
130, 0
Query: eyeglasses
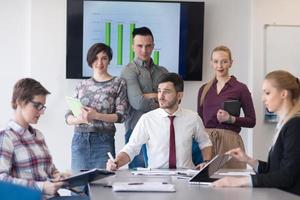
38, 106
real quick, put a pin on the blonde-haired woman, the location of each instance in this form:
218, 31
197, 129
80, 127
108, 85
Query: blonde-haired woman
281, 94
222, 127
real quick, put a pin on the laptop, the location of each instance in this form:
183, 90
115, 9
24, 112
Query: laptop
203, 177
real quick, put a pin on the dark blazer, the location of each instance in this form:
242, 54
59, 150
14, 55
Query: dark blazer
283, 167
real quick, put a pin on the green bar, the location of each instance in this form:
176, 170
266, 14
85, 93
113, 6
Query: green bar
156, 57
131, 52
120, 44
107, 33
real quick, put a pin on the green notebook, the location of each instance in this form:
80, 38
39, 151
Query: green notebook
74, 105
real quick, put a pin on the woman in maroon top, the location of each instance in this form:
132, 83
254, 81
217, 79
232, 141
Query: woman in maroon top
223, 127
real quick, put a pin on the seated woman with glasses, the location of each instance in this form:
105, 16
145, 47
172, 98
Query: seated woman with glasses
24, 156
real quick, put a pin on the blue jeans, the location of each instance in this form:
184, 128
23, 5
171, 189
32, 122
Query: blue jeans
141, 160
89, 150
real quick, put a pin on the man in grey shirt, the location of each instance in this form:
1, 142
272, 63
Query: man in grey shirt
141, 76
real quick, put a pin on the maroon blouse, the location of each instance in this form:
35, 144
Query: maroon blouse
233, 90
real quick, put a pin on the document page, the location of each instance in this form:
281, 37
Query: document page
143, 186
74, 105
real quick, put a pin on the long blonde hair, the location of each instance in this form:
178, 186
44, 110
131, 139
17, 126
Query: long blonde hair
284, 80
209, 83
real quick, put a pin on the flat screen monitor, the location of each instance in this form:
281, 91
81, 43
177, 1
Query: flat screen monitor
177, 28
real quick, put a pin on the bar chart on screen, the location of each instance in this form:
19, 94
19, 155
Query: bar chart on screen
113, 25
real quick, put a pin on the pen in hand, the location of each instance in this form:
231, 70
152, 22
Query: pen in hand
110, 156
113, 160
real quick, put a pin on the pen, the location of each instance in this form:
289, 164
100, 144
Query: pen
110, 156
139, 183
143, 169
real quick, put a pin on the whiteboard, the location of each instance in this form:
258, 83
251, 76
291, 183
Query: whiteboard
282, 48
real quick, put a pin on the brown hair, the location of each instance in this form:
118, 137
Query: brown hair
209, 83
95, 49
284, 80
25, 90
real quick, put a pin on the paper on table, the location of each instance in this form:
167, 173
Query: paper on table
236, 173
143, 187
188, 172
152, 172
156, 172
74, 105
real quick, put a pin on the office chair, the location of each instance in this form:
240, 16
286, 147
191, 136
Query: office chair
10, 191
196, 154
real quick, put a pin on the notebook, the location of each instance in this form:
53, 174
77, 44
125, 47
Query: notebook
233, 107
86, 177
204, 175
143, 187
74, 105
144, 184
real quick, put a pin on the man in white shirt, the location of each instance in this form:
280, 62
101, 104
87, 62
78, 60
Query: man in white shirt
154, 129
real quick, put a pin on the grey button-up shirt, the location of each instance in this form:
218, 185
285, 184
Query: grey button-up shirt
140, 80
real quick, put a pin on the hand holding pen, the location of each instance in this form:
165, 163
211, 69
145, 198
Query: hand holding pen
111, 164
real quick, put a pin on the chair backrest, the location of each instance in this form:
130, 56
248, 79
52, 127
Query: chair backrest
196, 154
10, 191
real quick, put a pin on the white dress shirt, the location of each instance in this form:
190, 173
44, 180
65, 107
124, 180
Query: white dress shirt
153, 128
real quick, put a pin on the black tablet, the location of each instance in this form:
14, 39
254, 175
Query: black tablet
204, 175
233, 107
86, 177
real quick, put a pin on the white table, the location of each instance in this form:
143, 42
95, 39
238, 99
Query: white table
186, 191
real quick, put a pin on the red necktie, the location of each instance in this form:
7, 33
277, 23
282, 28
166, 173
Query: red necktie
172, 150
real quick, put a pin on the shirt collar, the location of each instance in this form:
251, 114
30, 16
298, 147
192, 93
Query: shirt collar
17, 128
231, 81
142, 63
178, 112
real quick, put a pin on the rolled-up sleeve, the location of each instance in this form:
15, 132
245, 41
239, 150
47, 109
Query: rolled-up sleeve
138, 137
135, 95
200, 135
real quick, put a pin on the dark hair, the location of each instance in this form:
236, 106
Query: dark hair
25, 90
142, 31
174, 78
95, 49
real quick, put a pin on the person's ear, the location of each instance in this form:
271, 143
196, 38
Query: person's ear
180, 95
284, 94
20, 104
